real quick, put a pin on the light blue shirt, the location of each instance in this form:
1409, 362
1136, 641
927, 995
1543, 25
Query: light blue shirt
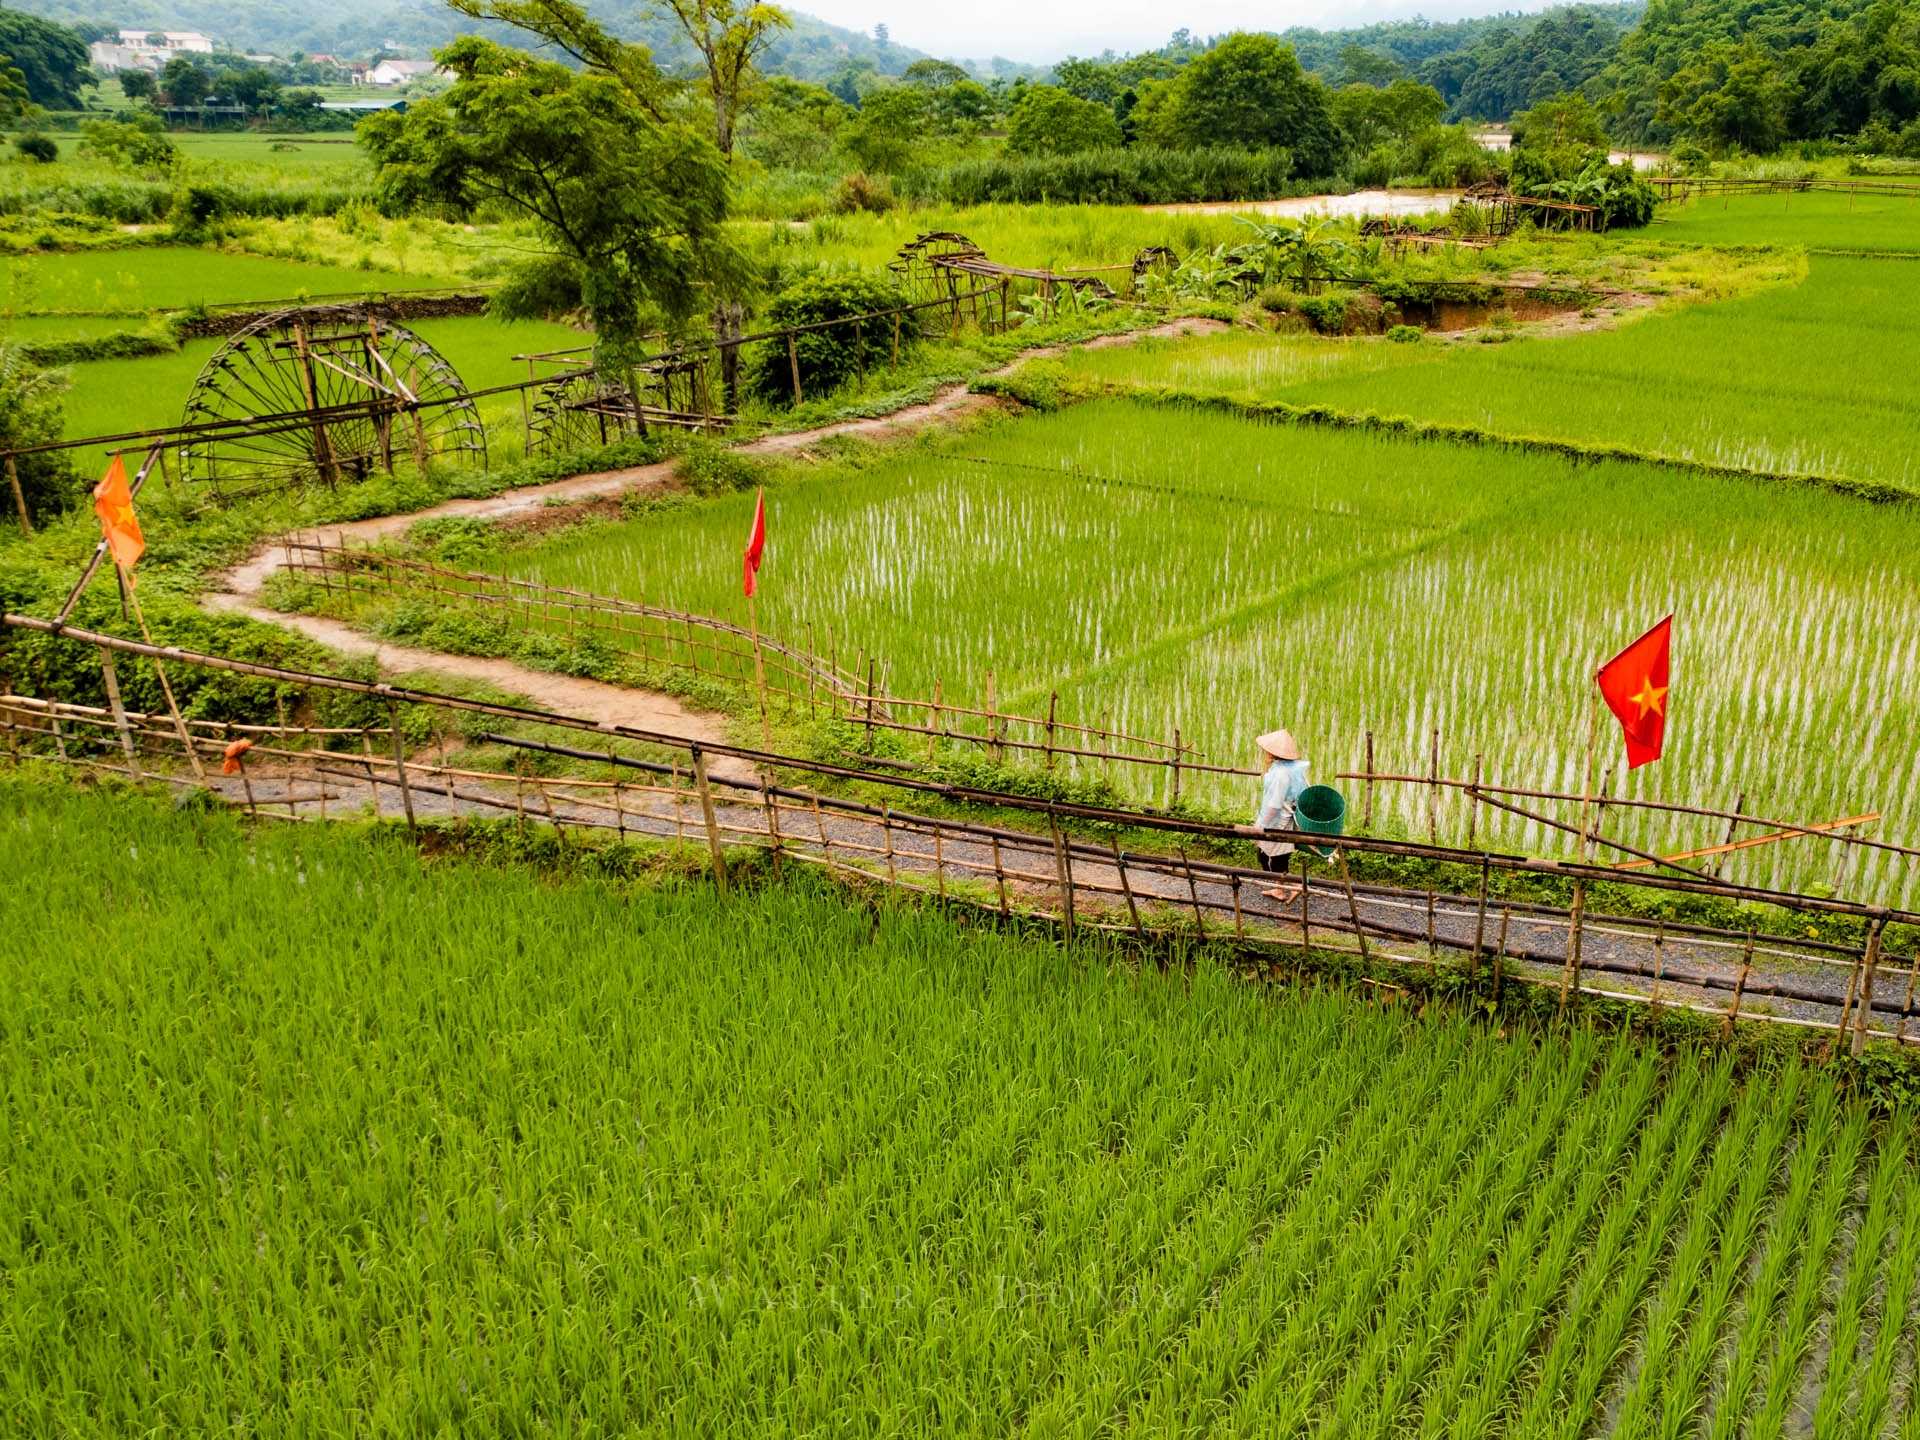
1280, 790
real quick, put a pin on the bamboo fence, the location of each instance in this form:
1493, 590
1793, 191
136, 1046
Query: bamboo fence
1055, 875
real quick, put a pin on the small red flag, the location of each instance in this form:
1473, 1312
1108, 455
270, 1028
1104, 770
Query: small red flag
113, 504
756, 544
1634, 684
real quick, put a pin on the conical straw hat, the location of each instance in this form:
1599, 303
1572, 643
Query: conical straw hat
1279, 744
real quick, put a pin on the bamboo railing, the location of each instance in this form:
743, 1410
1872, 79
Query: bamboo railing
725, 797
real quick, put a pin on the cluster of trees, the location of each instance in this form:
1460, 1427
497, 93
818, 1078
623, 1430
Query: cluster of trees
50, 60
1758, 74
192, 82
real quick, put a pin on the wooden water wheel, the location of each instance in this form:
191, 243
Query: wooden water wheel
328, 396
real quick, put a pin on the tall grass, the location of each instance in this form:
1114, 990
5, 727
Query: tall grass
304, 1128
1189, 570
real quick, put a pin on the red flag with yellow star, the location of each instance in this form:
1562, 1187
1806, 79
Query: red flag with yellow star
113, 503
1634, 684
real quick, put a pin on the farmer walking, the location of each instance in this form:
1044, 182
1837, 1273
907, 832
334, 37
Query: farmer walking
1280, 790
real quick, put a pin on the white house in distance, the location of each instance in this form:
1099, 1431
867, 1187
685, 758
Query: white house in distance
389, 73
146, 49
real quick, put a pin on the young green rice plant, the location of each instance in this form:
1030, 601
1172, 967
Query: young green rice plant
1685, 1323
1780, 1255
1793, 1337
1289, 1370
1896, 1303
1597, 1138
1837, 1407
1461, 1231
278, 1098
1472, 1395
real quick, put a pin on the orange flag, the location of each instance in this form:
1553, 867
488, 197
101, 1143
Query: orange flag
113, 503
1634, 684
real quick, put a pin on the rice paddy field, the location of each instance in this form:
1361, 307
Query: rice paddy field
1820, 219
1809, 378
148, 278
1169, 568
304, 1134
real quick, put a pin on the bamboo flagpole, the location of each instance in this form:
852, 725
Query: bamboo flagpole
121, 534
750, 582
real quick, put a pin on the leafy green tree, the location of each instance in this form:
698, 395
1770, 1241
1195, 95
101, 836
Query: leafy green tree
1361, 66
1096, 80
53, 59
16, 100
254, 87
891, 119
185, 83
730, 36
1049, 121
1566, 122
965, 102
795, 126
32, 412
933, 74
137, 144
1732, 96
301, 108
1369, 116
632, 208
137, 84
1246, 90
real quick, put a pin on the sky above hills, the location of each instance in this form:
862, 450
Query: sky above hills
1044, 30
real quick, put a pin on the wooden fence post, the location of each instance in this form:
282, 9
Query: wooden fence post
1000, 876
400, 768
1480, 919
1366, 814
1872, 964
1353, 905
1064, 870
1126, 888
793, 361
712, 821
773, 825
1053, 703
1193, 894
1570, 976
1176, 768
1433, 792
1473, 802
1739, 989
19, 496
872, 680
112, 677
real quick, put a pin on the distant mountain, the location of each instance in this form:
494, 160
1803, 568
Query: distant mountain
811, 50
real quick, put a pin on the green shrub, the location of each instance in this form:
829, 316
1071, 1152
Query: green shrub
861, 193
829, 357
1405, 335
138, 144
42, 149
1325, 313
32, 413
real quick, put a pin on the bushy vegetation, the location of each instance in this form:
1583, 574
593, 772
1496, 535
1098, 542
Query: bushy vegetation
530, 1098
1137, 175
829, 356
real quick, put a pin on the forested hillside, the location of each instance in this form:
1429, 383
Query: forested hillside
810, 50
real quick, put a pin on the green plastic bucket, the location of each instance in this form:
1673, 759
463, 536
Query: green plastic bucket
1321, 810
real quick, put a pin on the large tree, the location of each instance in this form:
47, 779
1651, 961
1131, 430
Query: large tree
52, 57
1049, 121
730, 36
632, 205
1248, 90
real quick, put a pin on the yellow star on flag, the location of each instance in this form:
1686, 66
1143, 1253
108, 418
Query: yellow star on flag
1651, 698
